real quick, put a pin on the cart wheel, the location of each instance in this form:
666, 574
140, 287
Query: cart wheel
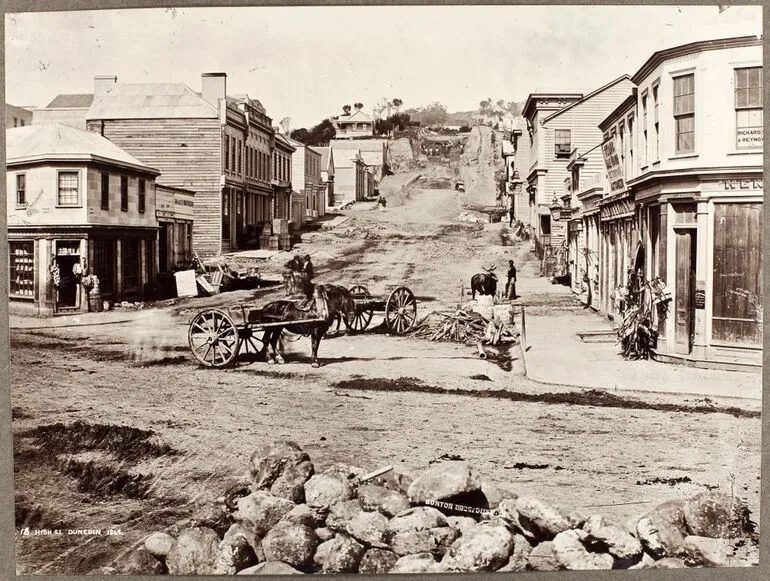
214, 339
364, 310
400, 310
252, 340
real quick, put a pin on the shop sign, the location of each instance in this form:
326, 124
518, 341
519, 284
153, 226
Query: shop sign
613, 165
750, 137
752, 184
700, 294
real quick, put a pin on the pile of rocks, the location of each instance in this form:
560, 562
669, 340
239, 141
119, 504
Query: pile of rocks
291, 519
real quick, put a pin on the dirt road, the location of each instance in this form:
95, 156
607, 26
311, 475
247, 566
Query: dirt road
187, 432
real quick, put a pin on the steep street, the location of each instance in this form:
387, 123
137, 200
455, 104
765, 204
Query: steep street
377, 400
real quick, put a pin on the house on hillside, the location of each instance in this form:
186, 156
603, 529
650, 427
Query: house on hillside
76, 200
327, 173
559, 125
218, 146
18, 116
67, 109
359, 124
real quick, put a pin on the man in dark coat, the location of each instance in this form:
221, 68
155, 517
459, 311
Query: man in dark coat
511, 216
307, 269
510, 285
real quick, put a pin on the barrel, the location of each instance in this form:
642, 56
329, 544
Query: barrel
95, 304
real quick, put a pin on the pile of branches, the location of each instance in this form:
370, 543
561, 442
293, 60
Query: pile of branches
460, 326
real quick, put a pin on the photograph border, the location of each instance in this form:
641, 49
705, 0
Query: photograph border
7, 528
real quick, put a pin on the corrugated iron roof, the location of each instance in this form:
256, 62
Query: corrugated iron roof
150, 101
362, 144
357, 117
73, 101
54, 140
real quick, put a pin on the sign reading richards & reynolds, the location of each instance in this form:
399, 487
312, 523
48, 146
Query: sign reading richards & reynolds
613, 165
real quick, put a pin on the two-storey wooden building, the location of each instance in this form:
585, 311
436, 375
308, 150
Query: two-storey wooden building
76, 200
218, 147
282, 175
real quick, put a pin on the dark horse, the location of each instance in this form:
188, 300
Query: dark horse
484, 284
329, 303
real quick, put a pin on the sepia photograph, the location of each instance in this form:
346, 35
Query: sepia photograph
384, 289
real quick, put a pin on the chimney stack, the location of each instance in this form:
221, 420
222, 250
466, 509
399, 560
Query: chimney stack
102, 84
214, 87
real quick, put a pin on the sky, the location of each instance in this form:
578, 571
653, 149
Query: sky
307, 62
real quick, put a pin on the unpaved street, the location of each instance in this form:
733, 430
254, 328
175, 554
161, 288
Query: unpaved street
377, 400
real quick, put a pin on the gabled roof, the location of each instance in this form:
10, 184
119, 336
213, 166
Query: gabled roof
587, 97
151, 101
74, 101
372, 157
678, 51
627, 104
284, 140
357, 117
362, 144
532, 98
347, 160
57, 142
326, 156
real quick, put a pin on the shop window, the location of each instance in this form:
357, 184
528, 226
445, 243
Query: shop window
124, 193
21, 190
105, 191
131, 268
748, 108
737, 293
22, 269
68, 189
142, 196
684, 114
227, 152
104, 264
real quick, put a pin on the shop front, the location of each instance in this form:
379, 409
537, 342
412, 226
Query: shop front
47, 267
175, 209
619, 243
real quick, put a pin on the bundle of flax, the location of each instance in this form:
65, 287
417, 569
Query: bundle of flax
460, 326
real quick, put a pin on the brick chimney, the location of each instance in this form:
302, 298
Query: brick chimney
102, 83
214, 87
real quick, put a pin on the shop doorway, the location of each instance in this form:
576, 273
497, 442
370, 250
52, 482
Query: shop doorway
67, 291
684, 307
163, 237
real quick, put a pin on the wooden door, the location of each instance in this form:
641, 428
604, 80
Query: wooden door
684, 316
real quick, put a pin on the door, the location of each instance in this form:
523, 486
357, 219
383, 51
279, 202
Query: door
163, 247
684, 315
67, 295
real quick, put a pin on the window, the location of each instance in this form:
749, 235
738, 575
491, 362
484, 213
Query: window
21, 122
142, 196
240, 151
748, 108
656, 132
15, 122
22, 269
124, 193
563, 142
68, 188
644, 130
630, 168
684, 113
622, 145
227, 152
232, 155
225, 215
21, 189
105, 191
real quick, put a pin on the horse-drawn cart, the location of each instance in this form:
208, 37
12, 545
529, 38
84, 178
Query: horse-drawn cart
216, 337
398, 304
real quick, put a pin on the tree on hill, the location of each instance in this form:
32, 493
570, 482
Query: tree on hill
346, 110
319, 135
397, 104
358, 106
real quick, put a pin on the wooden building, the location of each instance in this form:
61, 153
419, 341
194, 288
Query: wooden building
306, 178
76, 200
349, 178
282, 175
17, 116
357, 125
327, 174
698, 196
220, 147
175, 209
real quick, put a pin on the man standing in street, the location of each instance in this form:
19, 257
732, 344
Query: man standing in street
510, 216
510, 285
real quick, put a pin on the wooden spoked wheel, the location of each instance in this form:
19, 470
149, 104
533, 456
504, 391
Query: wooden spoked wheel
214, 339
400, 311
364, 309
252, 340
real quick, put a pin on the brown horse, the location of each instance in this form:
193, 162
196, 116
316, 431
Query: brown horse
329, 303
